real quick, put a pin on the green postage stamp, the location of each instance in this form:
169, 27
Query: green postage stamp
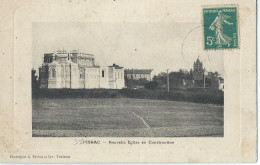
220, 28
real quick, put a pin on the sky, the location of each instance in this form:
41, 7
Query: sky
140, 45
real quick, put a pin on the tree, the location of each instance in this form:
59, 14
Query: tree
161, 79
152, 85
175, 78
35, 81
131, 83
216, 74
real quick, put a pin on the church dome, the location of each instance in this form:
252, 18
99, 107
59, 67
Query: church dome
61, 54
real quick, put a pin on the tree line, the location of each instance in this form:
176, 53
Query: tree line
177, 79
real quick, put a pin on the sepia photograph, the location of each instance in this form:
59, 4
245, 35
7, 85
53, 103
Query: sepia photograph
125, 80
140, 81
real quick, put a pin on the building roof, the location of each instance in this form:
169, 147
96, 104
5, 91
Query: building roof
221, 79
116, 66
48, 54
138, 71
80, 53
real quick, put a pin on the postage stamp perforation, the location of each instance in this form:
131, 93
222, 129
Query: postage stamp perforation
221, 5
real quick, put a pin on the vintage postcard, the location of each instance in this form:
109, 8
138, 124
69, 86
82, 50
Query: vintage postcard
128, 81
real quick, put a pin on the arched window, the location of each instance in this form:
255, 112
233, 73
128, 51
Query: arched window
103, 73
53, 73
50, 73
81, 74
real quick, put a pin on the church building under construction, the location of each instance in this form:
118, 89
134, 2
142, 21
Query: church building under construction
75, 69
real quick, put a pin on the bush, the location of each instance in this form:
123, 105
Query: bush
151, 85
212, 96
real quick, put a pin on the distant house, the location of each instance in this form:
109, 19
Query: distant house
188, 83
138, 74
221, 84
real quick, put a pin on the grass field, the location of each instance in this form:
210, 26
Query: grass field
125, 117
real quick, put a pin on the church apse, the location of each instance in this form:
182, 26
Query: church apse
77, 70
